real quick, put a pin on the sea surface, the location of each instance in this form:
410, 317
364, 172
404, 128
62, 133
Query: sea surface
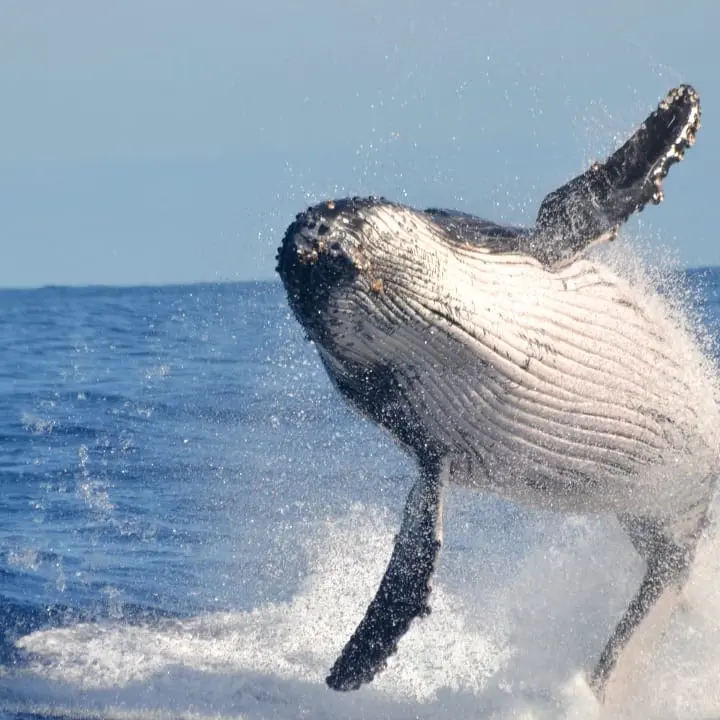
192, 522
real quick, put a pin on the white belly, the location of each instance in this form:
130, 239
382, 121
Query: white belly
569, 389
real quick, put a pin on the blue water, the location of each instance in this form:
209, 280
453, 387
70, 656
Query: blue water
179, 477
133, 422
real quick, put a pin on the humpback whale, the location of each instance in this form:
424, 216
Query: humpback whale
511, 361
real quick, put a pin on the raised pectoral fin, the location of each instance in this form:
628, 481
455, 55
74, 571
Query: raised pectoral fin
405, 587
593, 205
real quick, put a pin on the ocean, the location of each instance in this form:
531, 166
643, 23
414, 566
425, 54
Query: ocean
192, 522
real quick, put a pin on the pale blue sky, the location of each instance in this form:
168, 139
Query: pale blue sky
155, 141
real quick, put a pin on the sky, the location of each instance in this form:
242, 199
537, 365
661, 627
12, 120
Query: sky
169, 141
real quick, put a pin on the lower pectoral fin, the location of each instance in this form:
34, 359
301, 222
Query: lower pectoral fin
405, 587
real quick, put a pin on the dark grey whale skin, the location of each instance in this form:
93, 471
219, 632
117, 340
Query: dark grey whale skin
589, 208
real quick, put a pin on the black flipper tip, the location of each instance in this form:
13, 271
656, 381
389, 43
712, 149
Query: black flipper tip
388, 618
353, 669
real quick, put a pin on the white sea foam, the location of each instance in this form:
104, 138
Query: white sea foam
515, 648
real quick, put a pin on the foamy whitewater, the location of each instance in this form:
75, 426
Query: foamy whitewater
494, 647
207, 522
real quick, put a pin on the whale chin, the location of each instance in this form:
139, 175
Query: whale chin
313, 268
335, 293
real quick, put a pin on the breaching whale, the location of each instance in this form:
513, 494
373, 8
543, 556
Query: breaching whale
507, 360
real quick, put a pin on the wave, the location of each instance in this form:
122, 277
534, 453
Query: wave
501, 642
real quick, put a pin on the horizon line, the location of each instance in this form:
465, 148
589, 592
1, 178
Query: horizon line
134, 286
203, 283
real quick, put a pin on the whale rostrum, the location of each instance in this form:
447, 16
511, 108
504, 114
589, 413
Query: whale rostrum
511, 361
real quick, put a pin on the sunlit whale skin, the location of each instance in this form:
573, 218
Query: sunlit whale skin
506, 360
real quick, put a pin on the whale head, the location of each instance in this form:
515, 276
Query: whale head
356, 270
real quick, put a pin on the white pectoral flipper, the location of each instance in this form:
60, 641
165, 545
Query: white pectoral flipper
405, 587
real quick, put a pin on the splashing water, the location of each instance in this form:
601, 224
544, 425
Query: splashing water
503, 647
522, 602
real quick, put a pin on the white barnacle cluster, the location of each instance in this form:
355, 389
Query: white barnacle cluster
686, 138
